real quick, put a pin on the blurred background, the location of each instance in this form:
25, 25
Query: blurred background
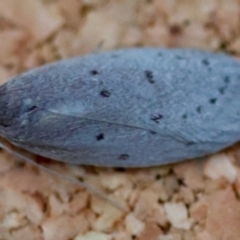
187, 201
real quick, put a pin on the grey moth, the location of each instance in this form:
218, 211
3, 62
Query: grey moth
135, 107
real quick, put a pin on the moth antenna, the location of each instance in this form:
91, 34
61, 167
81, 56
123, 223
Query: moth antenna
22, 154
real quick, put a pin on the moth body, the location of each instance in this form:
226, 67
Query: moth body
125, 108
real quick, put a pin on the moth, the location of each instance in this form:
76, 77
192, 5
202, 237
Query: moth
136, 107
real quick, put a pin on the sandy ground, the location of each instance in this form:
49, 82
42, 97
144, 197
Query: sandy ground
197, 199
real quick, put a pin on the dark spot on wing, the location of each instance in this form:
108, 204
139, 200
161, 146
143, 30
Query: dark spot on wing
222, 90
205, 62
212, 100
31, 108
152, 132
123, 156
226, 79
94, 72
184, 116
105, 93
178, 57
149, 76
156, 118
5, 125
100, 137
199, 109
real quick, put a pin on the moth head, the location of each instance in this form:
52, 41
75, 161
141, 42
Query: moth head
15, 104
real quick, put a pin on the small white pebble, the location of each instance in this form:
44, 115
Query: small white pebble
133, 225
13, 220
220, 165
169, 237
112, 181
177, 215
93, 236
108, 217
